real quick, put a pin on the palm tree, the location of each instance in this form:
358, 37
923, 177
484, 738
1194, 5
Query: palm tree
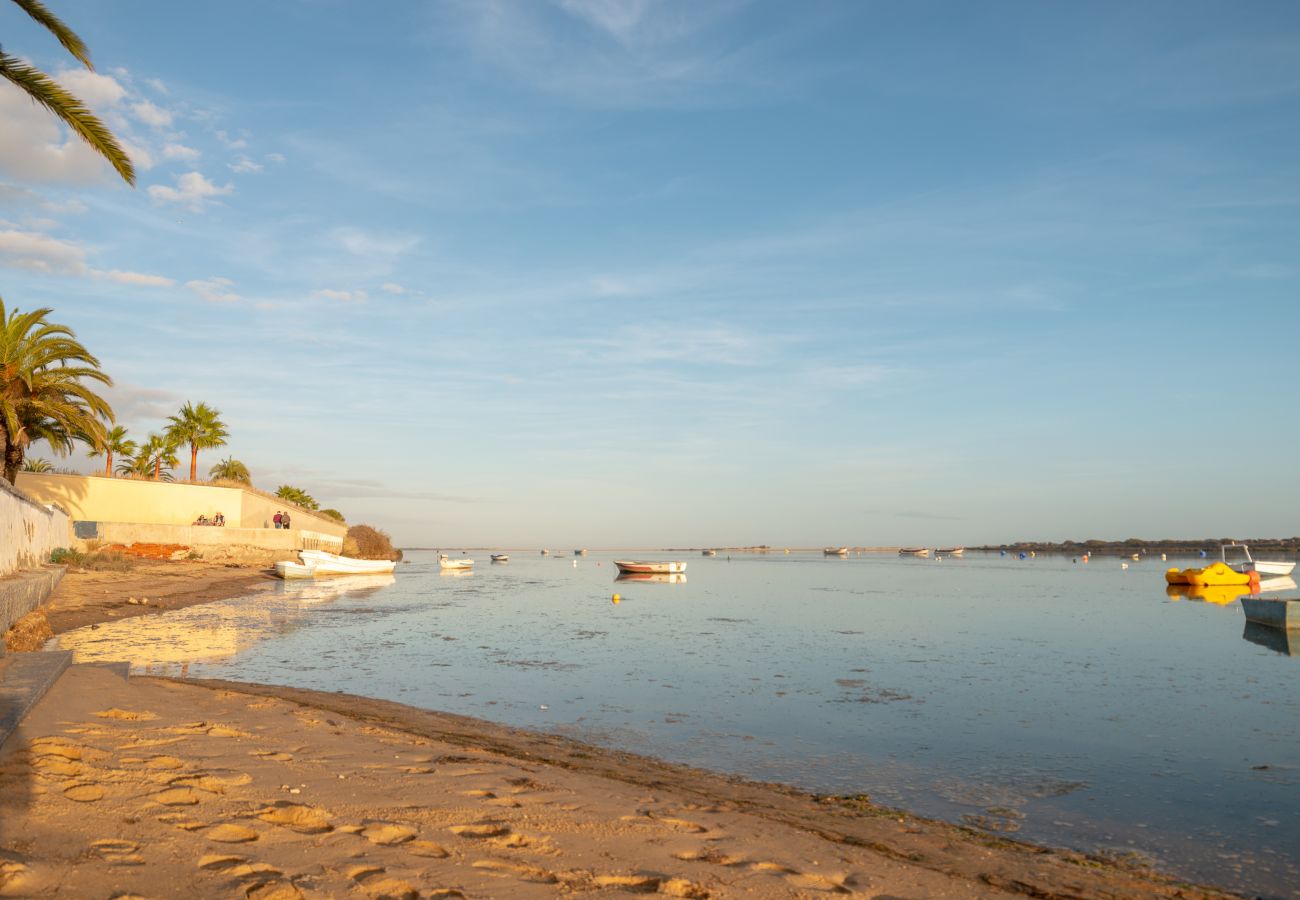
37, 464
298, 496
333, 514
43, 390
115, 443
200, 427
47, 92
150, 457
231, 470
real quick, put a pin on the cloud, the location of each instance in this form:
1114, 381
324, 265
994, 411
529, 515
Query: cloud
96, 90
137, 278
192, 190
214, 290
179, 151
157, 84
371, 246
133, 402
390, 287
245, 166
35, 147
152, 115
41, 253
344, 296
231, 143
275, 157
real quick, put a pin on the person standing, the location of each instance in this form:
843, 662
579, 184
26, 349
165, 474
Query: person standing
279, 517
284, 521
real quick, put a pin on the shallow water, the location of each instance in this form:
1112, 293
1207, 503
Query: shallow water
1071, 704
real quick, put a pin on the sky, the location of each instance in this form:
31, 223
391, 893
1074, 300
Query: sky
611, 273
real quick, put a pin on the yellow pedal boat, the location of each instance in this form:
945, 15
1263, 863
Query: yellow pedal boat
1215, 574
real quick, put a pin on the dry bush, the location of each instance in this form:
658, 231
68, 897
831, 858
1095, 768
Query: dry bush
364, 542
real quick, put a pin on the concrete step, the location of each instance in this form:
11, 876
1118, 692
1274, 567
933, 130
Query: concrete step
24, 679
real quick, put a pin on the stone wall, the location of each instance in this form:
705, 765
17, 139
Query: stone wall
29, 530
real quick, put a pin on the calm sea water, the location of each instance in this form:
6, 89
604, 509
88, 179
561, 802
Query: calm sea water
1077, 705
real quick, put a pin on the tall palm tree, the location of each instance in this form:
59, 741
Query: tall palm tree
231, 470
44, 90
115, 443
44, 395
200, 427
37, 464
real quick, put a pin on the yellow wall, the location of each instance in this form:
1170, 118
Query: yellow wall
97, 499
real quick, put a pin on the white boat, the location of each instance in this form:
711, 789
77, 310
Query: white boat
709, 552
501, 557
447, 562
637, 567
951, 551
293, 570
333, 564
913, 551
836, 551
1237, 557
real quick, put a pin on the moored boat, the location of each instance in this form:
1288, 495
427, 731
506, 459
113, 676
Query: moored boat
579, 552
836, 551
642, 567
708, 552
1214, 574
951, 551
447, 562
500, 557
913, 551
546, 553
1273, 613
333, 564
1237, 557
294, 570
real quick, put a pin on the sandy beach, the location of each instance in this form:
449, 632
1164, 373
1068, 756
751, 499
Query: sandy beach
154, 788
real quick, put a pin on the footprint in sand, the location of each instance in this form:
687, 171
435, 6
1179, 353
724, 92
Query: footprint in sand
276, 755
297, 817
372, 882
213, 783
669, 822
481, 830
523, 873
84, 793
274, 890
231, 834
163, 763
427, 849
118, 852
387, 834
220, 861
638, 884
181, 796
825, 884
58, 767
127, 715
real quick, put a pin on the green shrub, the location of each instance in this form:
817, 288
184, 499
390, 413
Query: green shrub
64, 556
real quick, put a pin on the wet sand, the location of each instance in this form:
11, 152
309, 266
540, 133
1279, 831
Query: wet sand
155, 788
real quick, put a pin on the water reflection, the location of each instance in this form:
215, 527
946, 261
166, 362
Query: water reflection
170, 643
1280, 640
656, 577
1219, 594
455, 573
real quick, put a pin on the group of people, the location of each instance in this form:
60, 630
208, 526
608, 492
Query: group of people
281, 520
218, 520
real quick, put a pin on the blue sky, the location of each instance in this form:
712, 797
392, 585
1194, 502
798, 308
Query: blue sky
619, 272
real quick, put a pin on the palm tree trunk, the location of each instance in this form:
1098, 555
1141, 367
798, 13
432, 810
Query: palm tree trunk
108, 464
194, 462
157, 468
13, 458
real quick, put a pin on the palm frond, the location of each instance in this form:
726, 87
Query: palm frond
62, 33
47, 92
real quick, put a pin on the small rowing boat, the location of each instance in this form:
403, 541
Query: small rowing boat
333, 564
913, 551
640, 567
836, 551
500, 557
290, 570
446, 562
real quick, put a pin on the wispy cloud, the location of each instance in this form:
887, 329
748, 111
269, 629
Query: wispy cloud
192, 190
214, 290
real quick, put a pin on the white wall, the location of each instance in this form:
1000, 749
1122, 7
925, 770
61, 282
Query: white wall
29, 531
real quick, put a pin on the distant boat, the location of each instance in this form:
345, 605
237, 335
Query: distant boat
1242, 561
913, 551
951, 551
836, 551
501, 557
333, 564
579, 552
294, 570
708, 552
448, 563
546, 553
636, 567
656, 577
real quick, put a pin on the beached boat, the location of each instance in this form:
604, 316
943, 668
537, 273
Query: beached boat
546, 553
653, 577
579, 552
913, 551
836, 551
951, 551
708, 552
333, 564
1237, 557
293, 570
638, 567
447, 562
501, 557
1273, 613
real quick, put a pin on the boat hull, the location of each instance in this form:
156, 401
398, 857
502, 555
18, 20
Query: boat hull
456, 563
636, 567
914, 551
292, 571
1273, 613
332, 564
